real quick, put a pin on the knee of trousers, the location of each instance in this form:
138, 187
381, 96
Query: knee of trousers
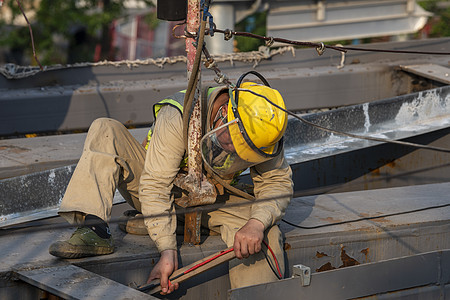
105, 131
104, 123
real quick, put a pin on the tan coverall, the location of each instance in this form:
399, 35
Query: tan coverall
112, 159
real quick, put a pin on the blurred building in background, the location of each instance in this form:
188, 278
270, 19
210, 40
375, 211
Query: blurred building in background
137, 34
308, 20
134, 38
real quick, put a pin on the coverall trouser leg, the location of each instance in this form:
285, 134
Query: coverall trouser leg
112, 159
255, 269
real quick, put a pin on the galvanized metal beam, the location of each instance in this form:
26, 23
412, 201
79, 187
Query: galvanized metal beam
319, 160
431, 71
71, 98
35, 196
425, 276
71, 282
363, 242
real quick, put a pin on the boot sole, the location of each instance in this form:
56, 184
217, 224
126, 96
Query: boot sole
66, 250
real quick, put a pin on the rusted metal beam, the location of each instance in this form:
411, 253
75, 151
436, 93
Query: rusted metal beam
414, 276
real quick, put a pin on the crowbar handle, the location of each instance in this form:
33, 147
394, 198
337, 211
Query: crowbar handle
197, 267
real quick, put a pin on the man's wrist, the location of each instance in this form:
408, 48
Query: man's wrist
166, 243
264, 217
168, 253
256, 223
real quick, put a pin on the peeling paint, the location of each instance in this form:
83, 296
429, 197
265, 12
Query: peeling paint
347, 261
320, 254
366, 253
326, 267
287, 246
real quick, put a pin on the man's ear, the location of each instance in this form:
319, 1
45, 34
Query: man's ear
219, 101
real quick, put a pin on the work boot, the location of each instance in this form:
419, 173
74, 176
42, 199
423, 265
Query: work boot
83, 242
133, 223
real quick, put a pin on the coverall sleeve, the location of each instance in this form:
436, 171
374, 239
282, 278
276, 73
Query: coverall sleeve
162, 163
271, 179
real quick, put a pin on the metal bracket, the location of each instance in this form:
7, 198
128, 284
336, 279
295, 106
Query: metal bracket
303, 272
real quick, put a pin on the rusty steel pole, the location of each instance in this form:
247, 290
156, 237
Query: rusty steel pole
195, 123
193, 220
200, 190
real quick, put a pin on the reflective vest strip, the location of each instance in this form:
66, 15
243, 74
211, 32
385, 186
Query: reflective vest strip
176, 100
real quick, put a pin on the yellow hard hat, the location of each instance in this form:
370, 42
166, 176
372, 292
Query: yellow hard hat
260, 125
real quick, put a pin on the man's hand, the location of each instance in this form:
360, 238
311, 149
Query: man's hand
166, 265
248, 239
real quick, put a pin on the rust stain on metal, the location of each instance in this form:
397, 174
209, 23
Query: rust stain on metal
391, 164
375, 172
287, 246
387, 163
197, 194
193, 21
381, 219
369, 215
347, 261
326, 267
192, 228
14, 149
366, 253
331, 220
320, 254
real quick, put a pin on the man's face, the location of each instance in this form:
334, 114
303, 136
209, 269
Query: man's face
223, 134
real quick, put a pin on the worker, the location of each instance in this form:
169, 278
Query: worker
243, 130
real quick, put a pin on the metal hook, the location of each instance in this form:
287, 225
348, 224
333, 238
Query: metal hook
320, 49
341, 65
178, 36
269, 42
228, 34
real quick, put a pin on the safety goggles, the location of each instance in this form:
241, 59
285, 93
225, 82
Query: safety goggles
218, 151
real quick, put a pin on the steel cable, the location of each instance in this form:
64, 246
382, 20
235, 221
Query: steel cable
229, 32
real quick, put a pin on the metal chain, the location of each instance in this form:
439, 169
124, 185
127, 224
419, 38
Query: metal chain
211, 64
